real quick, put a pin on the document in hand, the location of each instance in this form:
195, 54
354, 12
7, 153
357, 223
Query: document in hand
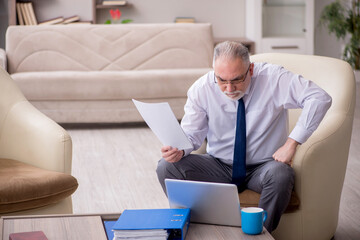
159, 224
162, 121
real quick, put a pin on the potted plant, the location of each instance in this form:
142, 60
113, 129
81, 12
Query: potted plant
343, 19
115, 17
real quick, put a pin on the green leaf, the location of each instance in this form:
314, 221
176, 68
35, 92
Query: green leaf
126, 21
343, 20
108, 22
333, 16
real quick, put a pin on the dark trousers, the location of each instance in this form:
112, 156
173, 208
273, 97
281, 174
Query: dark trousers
273, 180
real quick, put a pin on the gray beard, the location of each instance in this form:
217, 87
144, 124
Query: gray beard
241, 94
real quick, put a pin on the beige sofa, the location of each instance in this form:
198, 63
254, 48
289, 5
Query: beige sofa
90, 73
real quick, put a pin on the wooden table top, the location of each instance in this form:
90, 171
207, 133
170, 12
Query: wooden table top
90, 227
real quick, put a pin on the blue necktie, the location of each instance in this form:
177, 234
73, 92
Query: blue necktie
239, 163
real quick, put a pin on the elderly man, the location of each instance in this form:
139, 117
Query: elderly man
241, 109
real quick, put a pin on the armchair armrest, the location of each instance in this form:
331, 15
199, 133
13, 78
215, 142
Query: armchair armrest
31, 137
3, 60
320, 166
27, 135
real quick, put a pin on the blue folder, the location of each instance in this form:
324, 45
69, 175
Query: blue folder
109, 229
176, 221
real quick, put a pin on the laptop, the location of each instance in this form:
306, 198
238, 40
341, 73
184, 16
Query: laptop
212, 203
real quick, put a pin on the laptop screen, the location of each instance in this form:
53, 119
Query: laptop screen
213, 203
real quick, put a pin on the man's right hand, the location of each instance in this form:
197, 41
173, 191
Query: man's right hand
171, 154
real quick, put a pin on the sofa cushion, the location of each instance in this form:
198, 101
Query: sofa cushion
107, 85
249, 198
24, 187
102, 111
115, 47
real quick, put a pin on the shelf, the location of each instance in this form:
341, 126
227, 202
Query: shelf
12, 12
283, 2
283, 36
285, 5
101, 6
95, 5
281, 25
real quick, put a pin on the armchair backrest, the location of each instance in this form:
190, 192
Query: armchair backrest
333, 75
9, 95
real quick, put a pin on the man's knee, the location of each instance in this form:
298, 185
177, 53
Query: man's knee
167, 170
280, 174
162, 169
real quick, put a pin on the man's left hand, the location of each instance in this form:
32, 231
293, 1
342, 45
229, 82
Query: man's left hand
286, 153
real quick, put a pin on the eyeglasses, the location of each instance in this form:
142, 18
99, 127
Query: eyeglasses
235, 81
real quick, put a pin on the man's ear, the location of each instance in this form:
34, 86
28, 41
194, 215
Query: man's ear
251, 70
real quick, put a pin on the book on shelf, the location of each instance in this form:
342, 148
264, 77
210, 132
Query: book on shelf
19, 14
31, 11
36, 235
114, 2
52, 21
71, 19
25, 13
185, 20
152, 224
28, 14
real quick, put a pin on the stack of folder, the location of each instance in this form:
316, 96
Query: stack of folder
152, 224
154, 234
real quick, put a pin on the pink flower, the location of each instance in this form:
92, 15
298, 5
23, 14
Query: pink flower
115, 14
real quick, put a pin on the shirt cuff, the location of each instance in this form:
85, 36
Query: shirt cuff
187, 151
300, 134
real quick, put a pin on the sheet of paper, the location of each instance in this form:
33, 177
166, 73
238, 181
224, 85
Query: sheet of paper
162, 121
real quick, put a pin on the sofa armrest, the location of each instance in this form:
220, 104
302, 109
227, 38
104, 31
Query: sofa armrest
3, 60
31, 137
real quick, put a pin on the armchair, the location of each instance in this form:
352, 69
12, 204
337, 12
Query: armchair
35, 157
319, 163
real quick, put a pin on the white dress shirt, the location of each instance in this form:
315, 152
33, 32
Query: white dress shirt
210, 113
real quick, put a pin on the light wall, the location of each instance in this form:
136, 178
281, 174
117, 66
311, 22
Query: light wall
325, 44
227, 16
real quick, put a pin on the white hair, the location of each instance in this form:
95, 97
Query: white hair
231, 50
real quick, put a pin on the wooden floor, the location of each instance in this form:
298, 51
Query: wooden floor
115, 167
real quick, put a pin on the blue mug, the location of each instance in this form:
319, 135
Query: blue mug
252, 220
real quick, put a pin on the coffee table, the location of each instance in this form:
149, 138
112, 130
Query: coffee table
90, 227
